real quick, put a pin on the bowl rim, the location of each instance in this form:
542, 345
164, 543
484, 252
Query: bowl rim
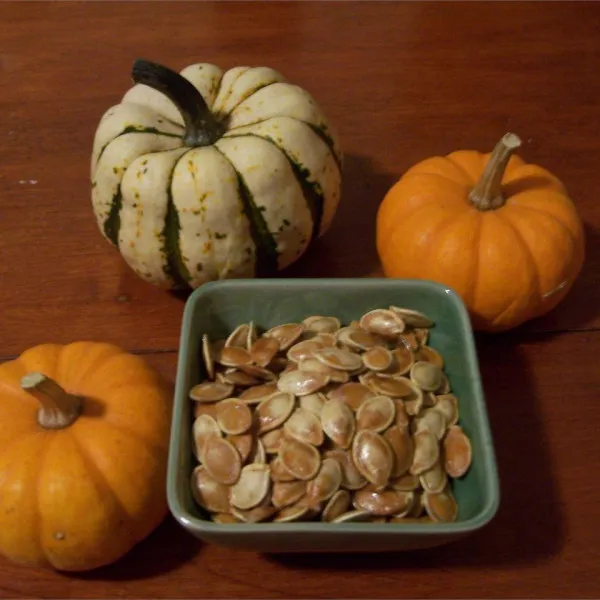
491, 482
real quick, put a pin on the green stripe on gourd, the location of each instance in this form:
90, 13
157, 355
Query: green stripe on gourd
113, 222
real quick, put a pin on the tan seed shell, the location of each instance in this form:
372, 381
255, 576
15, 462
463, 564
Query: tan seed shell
273, 411
221, 460
376, 413
201, 408
300, 459
204, 427
325, 340
258, 393
262, 512
413, 403
373, 457
207, 357
326, 483
444, 386
441, 507
291, 513
426, 375
314, 365
405, 483
403, 360
447, 404
286, 493
321, 324
358, 339
352, 393
351, 478
402, 419
337, 358
431, 419
409, 340
422, 335
304, 426
279, 471
234, 356
252, 335
286, 334
263, 350
426, 451
233, 416
402, 446
413, 318
259, 456
237, 377
338, 504
434, 480
457, 452
395, 387
428, 354
208, 493
382, 322
259, 373
302, 383
238, 337
252, 486
243, 444
353, 516
429, 399
303, 350
211, 391
224, 518
377, 358
313, 403
271, 440
382, 502
338, 423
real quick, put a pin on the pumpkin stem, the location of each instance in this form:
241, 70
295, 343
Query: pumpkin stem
487, 194
201, 127
58, 408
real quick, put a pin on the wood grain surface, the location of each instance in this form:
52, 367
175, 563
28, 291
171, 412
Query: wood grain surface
400, 81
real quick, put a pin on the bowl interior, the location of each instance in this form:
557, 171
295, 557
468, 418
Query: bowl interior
217, 308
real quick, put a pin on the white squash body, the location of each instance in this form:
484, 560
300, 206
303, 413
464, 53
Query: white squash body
247, 205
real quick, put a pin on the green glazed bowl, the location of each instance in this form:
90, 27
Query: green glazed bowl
216, 308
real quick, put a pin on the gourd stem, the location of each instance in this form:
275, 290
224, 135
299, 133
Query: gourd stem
58, 408
201, 127
487, 194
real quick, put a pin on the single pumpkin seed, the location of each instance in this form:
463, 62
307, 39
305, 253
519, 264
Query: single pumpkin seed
243, 444
405, 483
337, 505
428, 354
351, 477
211, 391
207, 357
208, 493
382, 322
338, 423
286, 334
376, 413
359, 339
382, 502
441, 507
412, 318
303, 350
377, 358
373, 457
258, 373
258, 514
233, 416
457, 452
352, 393
401, 444
402, 419
221, 460
258, 393
237, 377
321, 324
302, 383
353, 516
444, 386
426, 375
403, 360
434, 480
234, 356
279, 471
313, 403
426, 451
304, 426
238, 337
429, 399
395, 387
337, 358
259, 456
291, 513
286, 493
413, 403
263, 350
325, 484
225, 518
252, 486
271, 440
431, 419
204, 427
315, 365
300, 459
201, 408
447, 404
273, 411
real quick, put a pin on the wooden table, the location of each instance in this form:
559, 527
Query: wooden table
401, 81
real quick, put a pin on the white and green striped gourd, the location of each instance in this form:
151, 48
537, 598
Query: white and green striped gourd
209, 174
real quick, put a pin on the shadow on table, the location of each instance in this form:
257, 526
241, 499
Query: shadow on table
528, 527
164, 550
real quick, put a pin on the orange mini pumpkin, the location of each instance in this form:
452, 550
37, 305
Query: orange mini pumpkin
502, 233
83, 453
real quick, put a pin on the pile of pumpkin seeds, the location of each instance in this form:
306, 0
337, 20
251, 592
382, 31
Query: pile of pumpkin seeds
319, 421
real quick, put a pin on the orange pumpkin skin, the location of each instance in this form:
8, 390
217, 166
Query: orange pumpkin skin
81, 497
509, 264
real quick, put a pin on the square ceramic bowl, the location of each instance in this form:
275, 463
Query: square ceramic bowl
217, 307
